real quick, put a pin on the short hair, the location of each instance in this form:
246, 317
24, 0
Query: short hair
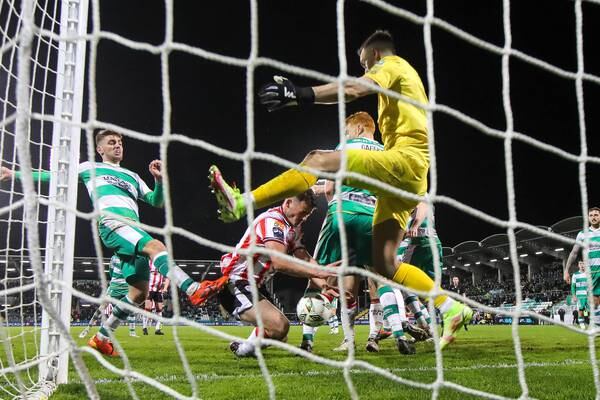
381, 40
308, 197
104, 133
363, 118
594, 209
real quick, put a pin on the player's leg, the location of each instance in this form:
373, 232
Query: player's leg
352, 283
334, 322
101, 341
308, 332
236, 298
157, 252
386, 240
148, 307
580, 316
327, 250
420, 312
276, 326
130, 242
131, 322
391, 313
232, 204
159, 308
596, 312
421, 256
136, 274
92, 320
375, 318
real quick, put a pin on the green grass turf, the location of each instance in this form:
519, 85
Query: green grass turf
557, 366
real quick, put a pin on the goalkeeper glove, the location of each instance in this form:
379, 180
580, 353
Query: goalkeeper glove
283, 93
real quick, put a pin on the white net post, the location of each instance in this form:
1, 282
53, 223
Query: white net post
60, 235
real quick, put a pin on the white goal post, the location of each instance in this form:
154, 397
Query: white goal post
60, 231
43, 62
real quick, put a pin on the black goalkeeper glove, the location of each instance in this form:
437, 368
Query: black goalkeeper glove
283, 93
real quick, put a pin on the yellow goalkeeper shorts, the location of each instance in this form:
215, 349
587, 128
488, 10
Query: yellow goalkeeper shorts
402, 167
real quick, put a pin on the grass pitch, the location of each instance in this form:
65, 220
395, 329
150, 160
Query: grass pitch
557, 366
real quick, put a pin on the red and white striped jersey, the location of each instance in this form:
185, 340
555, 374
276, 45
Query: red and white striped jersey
157, 281
271, 225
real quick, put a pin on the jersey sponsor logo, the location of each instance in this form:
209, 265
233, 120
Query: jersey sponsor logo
114, 181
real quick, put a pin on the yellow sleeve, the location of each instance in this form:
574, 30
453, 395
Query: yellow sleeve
383, 75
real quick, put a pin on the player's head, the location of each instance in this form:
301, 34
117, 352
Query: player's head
455, 280
297, 209
594, 216
109, 145
581, 265
360, 124
378, 45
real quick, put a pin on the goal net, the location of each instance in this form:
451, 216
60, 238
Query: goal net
42, 64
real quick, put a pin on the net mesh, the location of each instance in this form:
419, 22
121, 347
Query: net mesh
36, 75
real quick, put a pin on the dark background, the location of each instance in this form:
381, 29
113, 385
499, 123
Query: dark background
208, 103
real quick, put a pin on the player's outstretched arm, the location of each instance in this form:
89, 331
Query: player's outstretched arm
291, 268
328, 93
8, 174
284, 93
571, 262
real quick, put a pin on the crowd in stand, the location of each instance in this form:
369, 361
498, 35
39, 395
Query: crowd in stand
546, 285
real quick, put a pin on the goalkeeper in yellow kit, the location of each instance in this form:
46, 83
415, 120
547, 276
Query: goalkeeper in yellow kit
403, 164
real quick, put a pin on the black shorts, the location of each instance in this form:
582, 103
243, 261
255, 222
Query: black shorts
156, 297
237, 297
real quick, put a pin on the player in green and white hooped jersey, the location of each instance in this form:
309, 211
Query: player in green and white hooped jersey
117, 190
593, 235
358, 207
579, 290
117, 289
416, 250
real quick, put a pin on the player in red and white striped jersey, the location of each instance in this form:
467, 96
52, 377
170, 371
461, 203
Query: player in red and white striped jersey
277, 229
157, 286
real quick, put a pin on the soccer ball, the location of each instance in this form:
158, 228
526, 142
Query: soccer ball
314, 310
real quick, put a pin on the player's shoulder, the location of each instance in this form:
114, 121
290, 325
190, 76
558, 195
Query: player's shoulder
87, 165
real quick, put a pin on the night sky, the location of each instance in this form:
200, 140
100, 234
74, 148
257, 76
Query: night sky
208, 102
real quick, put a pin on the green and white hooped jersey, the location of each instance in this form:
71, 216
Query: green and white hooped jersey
594, 249
118, 189
117, 280
357, 200
579, 284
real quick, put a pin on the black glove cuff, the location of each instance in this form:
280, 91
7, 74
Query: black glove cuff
305, 95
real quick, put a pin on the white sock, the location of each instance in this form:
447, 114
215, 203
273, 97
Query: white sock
446, 305
352, 311
158, 324
131, 320
308, 333
391, 311
144, 322
401, 307
375, 318
247, 347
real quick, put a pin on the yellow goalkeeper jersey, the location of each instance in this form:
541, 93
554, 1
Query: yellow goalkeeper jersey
401, 124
